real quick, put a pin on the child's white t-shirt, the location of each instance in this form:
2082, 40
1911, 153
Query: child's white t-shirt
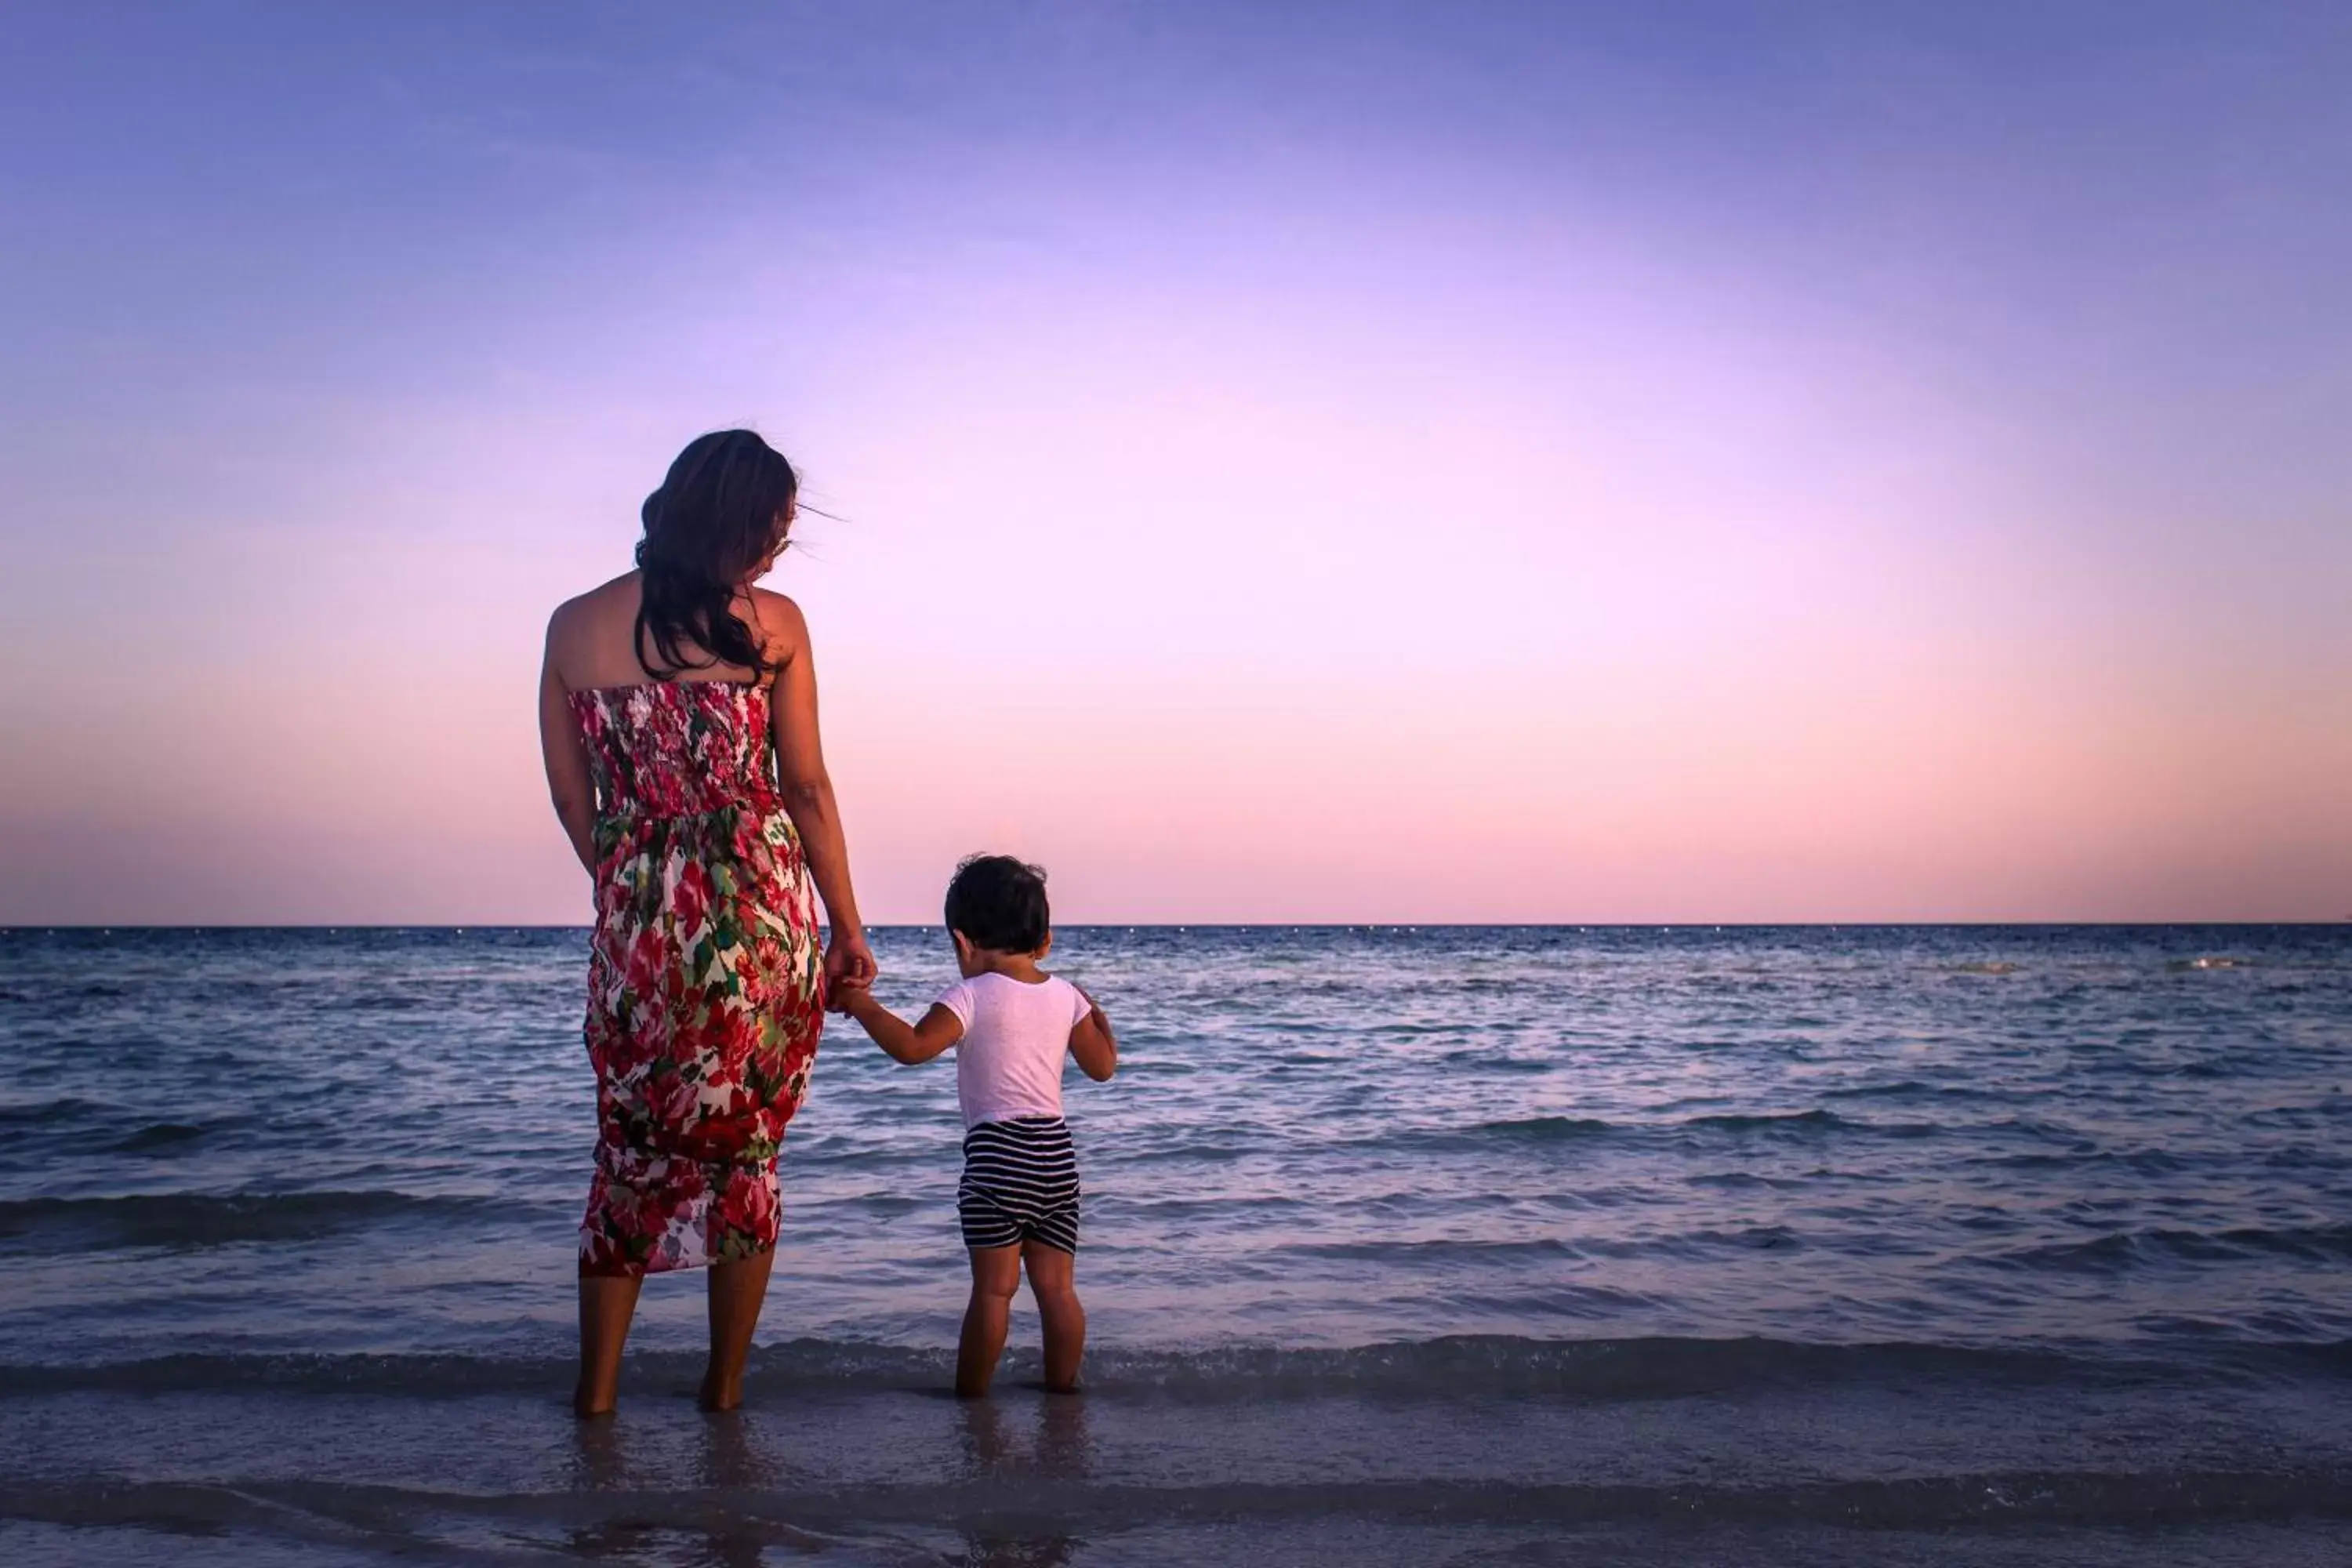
1015, 1035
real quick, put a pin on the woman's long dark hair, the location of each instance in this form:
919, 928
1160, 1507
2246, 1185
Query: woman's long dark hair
721, 512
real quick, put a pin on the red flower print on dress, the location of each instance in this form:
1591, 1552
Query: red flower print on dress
690, 901
705, 977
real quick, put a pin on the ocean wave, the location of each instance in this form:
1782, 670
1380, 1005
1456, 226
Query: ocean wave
185, 1221
1778, 1120
2125, 1250
1812, 1123
1057, 1507
39, 1113
159, 1135
1443, 1253
1545, 1129
1816, 1122
1480, 1367
381, 1002
1902, 1089
2140, 1161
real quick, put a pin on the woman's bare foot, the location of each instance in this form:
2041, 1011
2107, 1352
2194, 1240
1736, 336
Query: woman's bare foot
719, 1394
736, 1287
607, 1302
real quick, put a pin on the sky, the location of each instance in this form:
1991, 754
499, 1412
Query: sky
1302, 462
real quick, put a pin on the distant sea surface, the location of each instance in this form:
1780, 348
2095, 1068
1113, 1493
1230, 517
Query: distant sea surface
1871, 1245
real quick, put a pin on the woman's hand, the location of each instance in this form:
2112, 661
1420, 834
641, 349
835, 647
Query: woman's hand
848, 962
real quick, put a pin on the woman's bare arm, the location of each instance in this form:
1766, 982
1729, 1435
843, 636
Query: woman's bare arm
808, 788
566, 756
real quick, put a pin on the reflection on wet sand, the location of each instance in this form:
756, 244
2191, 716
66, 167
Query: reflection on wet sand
730, 1464
1060, 1450
600, 1463
1015, 1463
736, 1508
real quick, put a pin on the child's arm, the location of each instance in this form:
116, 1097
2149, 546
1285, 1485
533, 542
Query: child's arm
1092, 1042
909, 1043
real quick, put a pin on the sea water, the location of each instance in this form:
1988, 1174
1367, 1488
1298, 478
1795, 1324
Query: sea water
1444, 1245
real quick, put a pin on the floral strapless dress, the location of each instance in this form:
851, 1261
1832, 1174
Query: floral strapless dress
705, 990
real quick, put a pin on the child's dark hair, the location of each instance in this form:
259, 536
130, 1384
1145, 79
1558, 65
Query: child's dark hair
998, 902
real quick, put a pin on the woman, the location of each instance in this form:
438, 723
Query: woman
677, 714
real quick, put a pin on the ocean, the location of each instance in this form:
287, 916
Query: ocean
1830, 1246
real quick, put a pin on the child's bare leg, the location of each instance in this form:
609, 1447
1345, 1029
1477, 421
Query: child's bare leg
995, 1276
607, 1302
738, 1287
1053, 1279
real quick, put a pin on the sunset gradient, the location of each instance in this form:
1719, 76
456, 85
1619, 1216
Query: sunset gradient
1351, 463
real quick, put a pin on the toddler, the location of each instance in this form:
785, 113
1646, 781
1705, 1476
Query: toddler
1010, 1025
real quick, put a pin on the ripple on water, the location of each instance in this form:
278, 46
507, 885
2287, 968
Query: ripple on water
1974, 1137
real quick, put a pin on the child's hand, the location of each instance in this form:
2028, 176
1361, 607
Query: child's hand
843, 995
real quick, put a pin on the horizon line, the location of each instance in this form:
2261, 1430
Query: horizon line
70, 927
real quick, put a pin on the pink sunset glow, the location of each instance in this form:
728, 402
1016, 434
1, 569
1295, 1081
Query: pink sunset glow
1321, 518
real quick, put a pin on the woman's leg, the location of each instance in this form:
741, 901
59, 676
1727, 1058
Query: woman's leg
995, 1276
737, 1290
1053, 1279
607, 1302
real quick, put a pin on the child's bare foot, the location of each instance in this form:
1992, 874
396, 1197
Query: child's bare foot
1064, 1320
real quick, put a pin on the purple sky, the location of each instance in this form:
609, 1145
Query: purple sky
1371, 462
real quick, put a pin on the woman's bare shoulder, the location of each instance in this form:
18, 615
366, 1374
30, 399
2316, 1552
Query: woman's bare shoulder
586, 609
783, 630
583, 624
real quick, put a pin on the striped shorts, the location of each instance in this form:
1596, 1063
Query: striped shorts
1020, 1184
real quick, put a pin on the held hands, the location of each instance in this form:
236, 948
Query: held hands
849, 966
847, 960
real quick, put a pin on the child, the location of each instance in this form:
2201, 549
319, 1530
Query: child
1011, 1024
